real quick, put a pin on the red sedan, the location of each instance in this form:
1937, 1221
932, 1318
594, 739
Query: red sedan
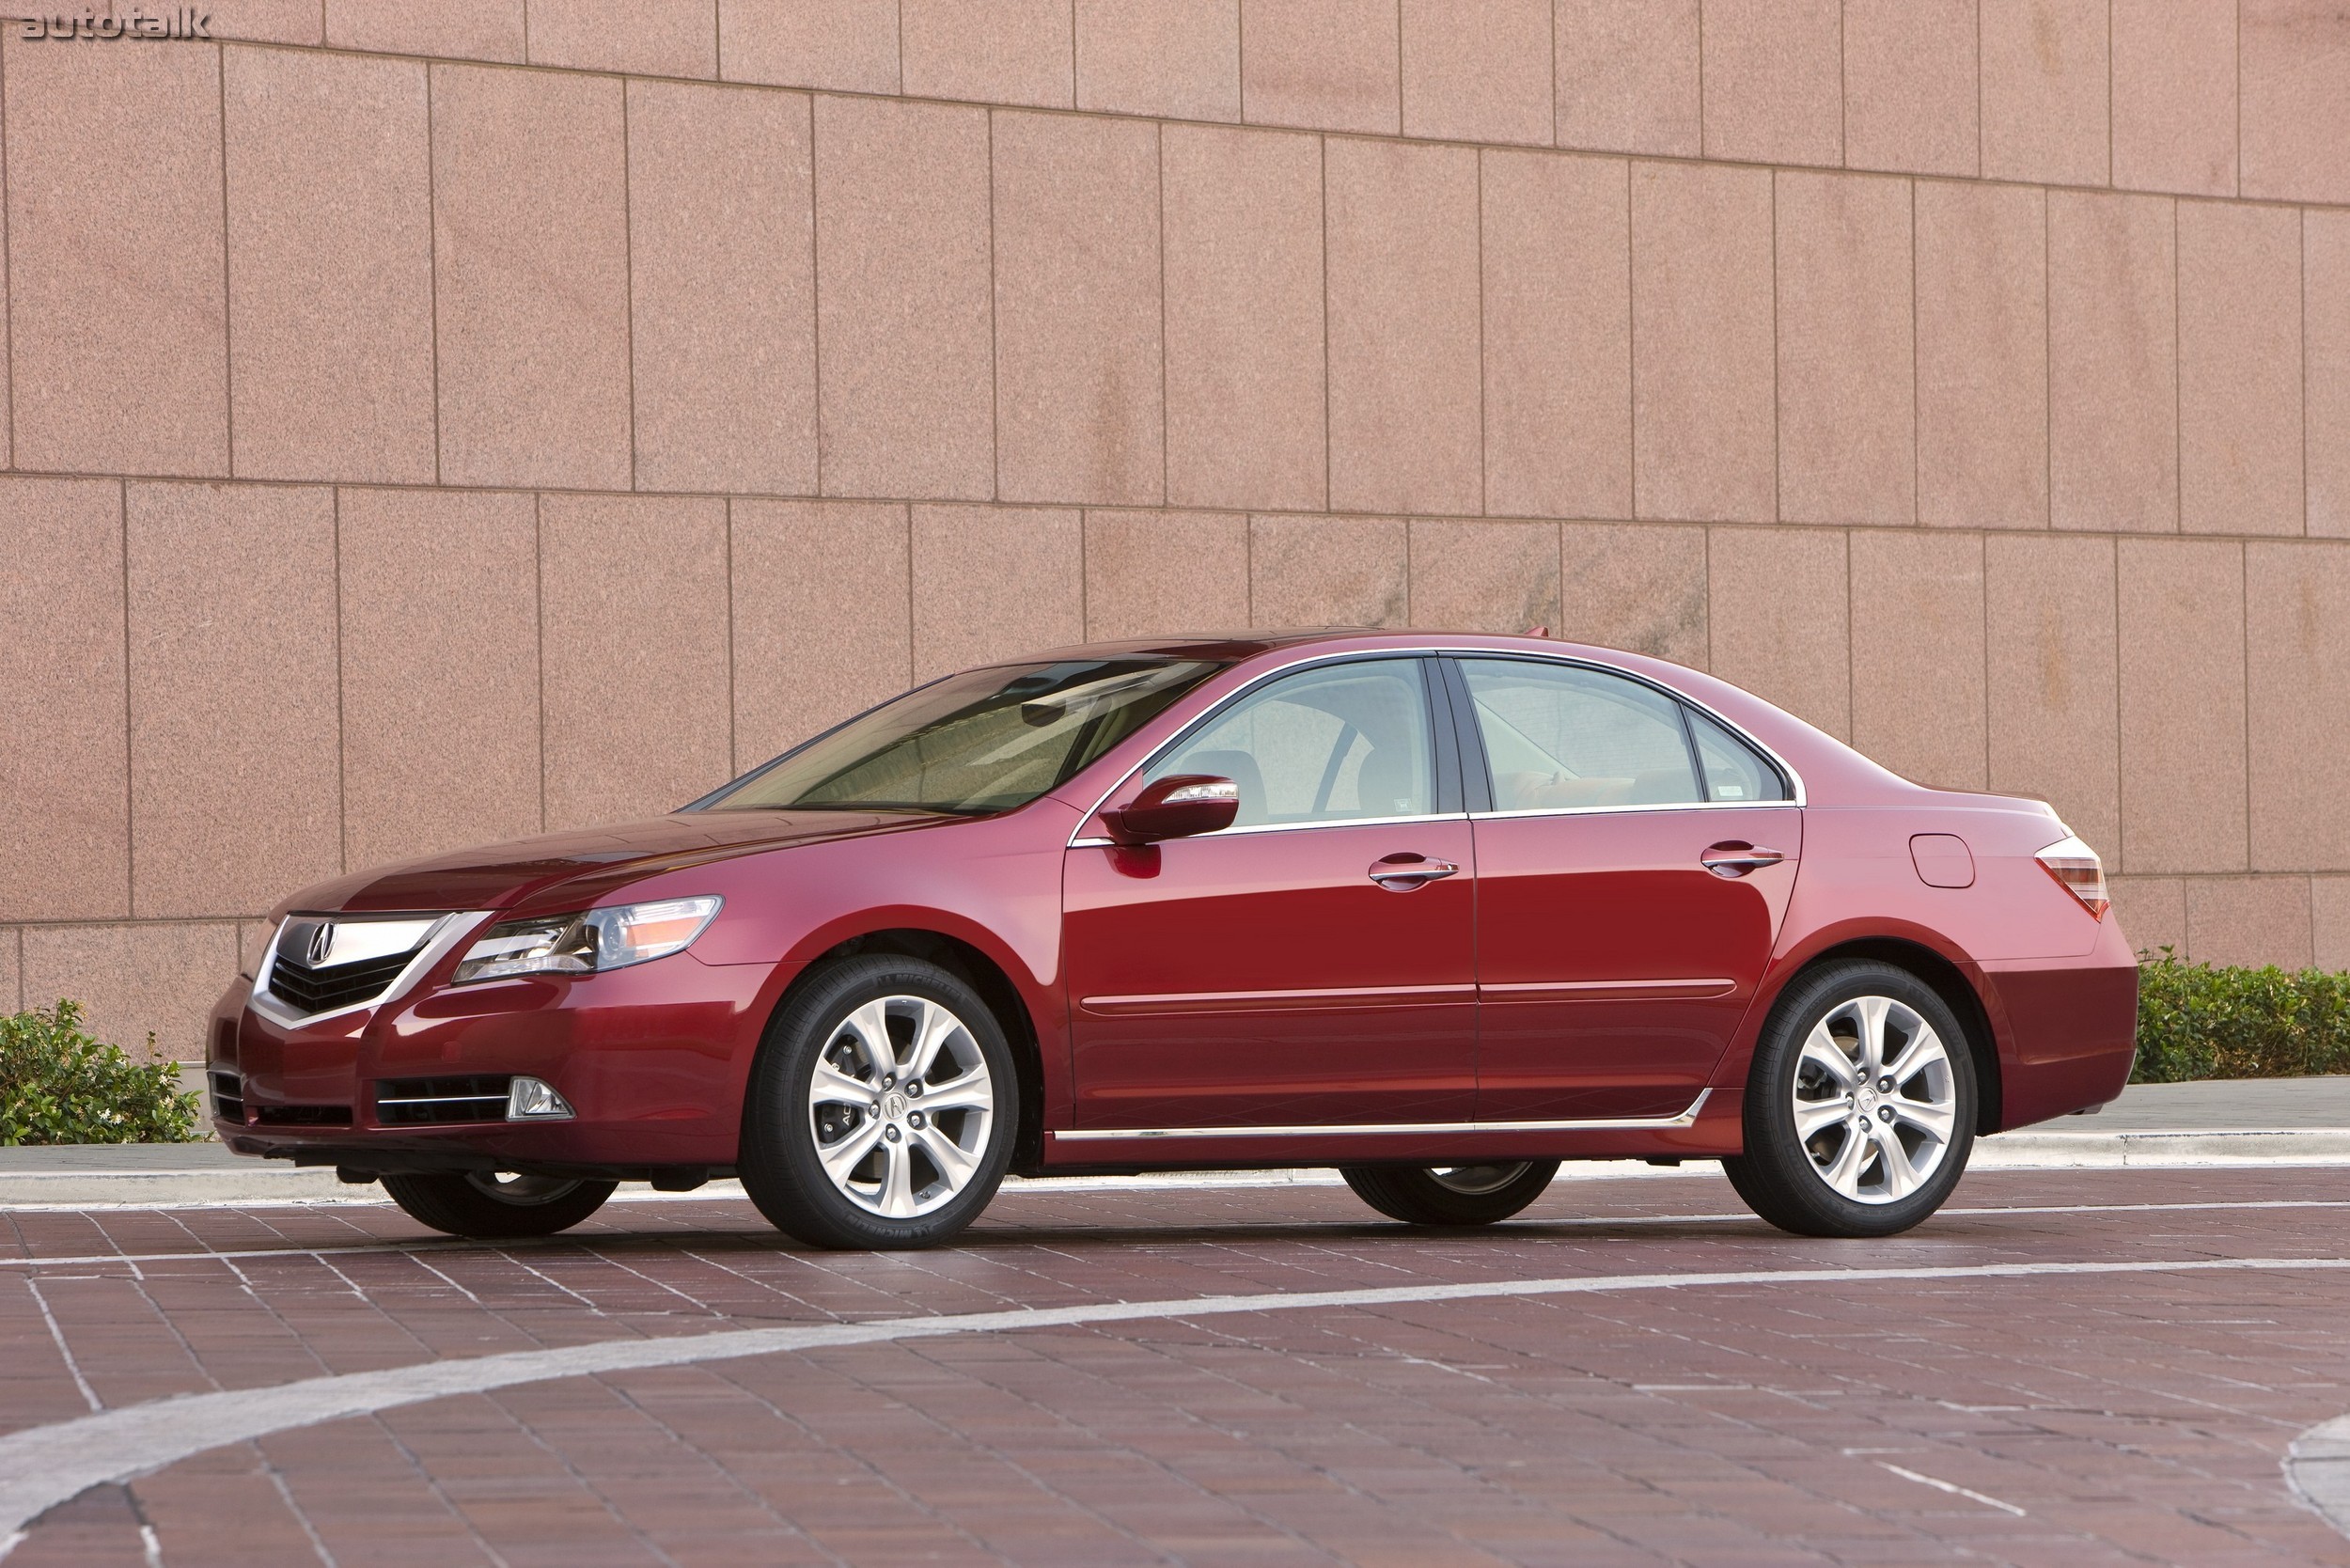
1440, 911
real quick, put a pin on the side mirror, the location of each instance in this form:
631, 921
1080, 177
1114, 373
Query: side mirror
1178, 806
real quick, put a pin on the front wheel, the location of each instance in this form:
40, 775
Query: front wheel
489, 1205
1450, 1194
1860, 1105
882, 1109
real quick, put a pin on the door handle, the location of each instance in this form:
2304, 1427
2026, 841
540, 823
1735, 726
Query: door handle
1403, 873
1736, 860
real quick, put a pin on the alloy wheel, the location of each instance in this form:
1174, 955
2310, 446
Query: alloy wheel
1875, 1100
902, 1105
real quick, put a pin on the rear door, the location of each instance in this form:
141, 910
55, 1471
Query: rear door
1633, 862
1313, 964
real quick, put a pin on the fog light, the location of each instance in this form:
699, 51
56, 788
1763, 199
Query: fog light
531, 1100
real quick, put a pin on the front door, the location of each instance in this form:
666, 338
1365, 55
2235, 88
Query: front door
1311, 966
1633, 872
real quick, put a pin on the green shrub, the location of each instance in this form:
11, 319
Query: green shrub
60, 1085
2198, 1021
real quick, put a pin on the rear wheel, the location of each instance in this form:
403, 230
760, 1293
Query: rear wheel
1860, 1105
1450, 1194
882, 1109
490, 1205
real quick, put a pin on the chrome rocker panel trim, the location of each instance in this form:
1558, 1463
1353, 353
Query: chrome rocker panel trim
1389, 1129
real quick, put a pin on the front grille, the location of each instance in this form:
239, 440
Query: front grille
303, 1116
229, 1096
308, 990
433, 1102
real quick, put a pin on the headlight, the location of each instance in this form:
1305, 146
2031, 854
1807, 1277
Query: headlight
582, 944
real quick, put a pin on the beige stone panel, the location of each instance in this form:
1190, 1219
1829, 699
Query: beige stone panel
265, 20
234, 736
1982, 356
846, 45
1847, 353
2112, 363
1791, 643
2152, 912
989, 50
530, 236
1078, 376
2052, 698
1329, 64
1329, 571
822, 618
1162, 574
1702, 371
65, 840
632, 602
1633, 586
2240, 425
1404, 380
12, 972
1245, 399
2249, 920
646, 38
722, 282
456, 29
2325, 347
2297, 642
1910, 86
439, 670
1484, 576
2175, 109
1478, 70
1175, 58
994, 583
330, 266
1918, 698
1774, 81
1626, 76
2045, 80
2329, 918
906, 361
2182, 687
1557, 333
119, 331
133, 980
2295, 76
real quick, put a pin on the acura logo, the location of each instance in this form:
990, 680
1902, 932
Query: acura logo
322, 943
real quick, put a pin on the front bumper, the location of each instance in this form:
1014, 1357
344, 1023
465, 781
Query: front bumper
652, 1059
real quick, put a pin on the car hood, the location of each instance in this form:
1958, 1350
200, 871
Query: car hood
594, 861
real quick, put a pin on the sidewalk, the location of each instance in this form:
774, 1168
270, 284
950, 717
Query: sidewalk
2284, 1121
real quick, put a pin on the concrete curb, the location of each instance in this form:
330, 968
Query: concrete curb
209, 1180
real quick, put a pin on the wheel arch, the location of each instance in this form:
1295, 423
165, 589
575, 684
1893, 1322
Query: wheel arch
981, 973
1947, 981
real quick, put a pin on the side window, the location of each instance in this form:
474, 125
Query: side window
1332, 743
1734, 769
1558, 735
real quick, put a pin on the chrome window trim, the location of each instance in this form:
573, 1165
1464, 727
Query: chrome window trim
1794, 779
451, 930
1391, 1129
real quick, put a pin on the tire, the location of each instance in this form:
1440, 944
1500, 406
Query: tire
1450, 1195
844, 1145
1842, 1178
493, 1206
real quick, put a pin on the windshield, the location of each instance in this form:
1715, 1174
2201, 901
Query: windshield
984, 741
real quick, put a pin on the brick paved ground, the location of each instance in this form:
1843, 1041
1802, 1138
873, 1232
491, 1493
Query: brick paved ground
2134, 1418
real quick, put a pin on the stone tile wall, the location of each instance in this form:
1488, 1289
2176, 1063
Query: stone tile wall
429, 421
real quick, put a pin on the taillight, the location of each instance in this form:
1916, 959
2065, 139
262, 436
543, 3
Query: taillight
2076, 866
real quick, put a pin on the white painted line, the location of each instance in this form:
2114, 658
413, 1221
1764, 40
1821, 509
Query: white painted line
1953, 1488
44, 1465
441, 1245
